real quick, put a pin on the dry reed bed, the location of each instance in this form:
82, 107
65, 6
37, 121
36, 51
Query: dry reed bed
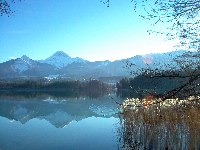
172, 124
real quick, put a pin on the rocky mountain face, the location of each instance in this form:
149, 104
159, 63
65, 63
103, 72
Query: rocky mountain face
61, 64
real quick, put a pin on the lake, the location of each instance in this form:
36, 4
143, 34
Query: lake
92, 120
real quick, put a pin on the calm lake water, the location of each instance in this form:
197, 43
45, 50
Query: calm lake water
92, 120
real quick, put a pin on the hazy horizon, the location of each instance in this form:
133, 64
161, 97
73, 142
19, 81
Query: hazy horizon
78, 57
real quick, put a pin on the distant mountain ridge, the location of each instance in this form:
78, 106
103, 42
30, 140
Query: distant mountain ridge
61, 59
61, 64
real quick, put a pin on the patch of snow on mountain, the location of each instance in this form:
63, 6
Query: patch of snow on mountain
104, 63
27, 59
77, 59
60, 59
21, 65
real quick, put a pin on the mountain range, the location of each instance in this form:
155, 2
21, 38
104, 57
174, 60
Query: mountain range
61, 64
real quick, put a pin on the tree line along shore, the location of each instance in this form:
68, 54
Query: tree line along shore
59, 85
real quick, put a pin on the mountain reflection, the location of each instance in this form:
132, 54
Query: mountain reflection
160, 127
151, 127
57, 110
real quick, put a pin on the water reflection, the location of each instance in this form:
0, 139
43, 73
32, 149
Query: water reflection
45, 121
160, 127
85, 120
58, 110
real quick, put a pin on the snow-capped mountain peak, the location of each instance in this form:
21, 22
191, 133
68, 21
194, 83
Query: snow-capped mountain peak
61, 54
61, 59
20, 65
27, 60
24, 57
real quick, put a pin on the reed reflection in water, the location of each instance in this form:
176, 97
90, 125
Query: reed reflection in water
160, 126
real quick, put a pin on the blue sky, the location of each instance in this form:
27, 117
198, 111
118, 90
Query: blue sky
86, 29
